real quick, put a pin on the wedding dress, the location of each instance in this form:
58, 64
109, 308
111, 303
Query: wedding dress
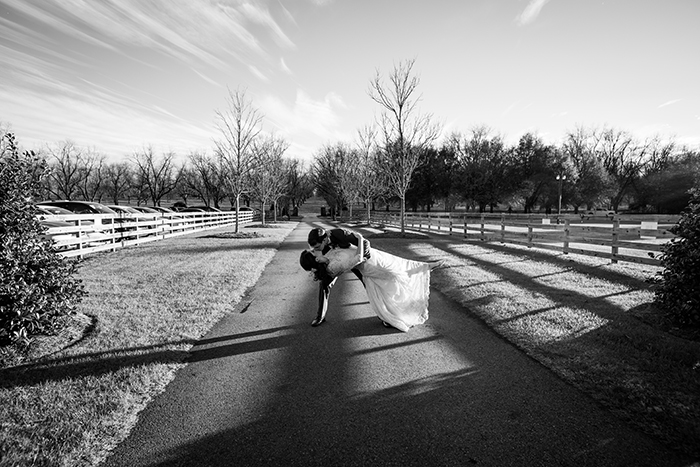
398, 288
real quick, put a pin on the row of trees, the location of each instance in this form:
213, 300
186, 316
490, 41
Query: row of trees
396, 158
247, 164
481, 171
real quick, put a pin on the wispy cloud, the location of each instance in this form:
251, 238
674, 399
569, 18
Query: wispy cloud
671, 102
318, 118
531, 12
261, 15
190, 31
509, 109
81, 117
64, 57
257, 73
207, 79
284, 67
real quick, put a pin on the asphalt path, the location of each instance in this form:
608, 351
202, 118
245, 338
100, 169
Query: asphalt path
264, 388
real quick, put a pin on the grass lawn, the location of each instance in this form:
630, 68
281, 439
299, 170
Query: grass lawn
590, 321
145, 308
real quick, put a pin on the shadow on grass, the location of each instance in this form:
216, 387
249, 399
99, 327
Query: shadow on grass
98, 363
636, 350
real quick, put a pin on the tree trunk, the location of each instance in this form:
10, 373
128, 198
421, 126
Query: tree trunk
237, 206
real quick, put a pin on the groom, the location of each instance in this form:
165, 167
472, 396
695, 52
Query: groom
321, 241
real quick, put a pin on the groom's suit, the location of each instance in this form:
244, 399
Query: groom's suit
339, 238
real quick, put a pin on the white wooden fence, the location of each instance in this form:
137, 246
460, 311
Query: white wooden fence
92, 233
636, 239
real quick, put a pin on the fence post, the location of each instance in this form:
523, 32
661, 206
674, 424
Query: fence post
567, 232
449, 218
111, 233
529, 235
465, 226
482, 227
503, 228
615, 238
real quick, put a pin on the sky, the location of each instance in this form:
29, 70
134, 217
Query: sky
119, 76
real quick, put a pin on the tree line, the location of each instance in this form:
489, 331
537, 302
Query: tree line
594, 168
395, 159
246, 165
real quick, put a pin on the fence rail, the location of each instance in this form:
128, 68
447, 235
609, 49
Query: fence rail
636, 239
83, 234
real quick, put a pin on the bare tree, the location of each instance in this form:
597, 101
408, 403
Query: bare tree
239, 124
157, 176
66, 171
269, 176
370, 184
299, 184
624, 158
406, 132
118, 181
589, 182
203, 178
92, 170
330, 174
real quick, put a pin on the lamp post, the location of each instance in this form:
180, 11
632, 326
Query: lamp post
561, 179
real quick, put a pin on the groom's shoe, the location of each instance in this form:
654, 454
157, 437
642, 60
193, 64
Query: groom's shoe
318, 322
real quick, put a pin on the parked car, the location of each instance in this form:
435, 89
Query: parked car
48, 210
123, 209
200, 209
163, 209
53, 224
80, 207
146, 210
88, 235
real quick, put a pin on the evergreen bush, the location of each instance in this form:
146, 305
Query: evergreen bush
37, 286
678, 287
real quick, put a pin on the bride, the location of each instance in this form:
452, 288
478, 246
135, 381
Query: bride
398, 288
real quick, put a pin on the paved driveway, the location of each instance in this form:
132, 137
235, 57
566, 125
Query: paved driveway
264, 388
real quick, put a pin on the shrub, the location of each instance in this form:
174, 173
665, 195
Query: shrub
678, 287
37, 286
